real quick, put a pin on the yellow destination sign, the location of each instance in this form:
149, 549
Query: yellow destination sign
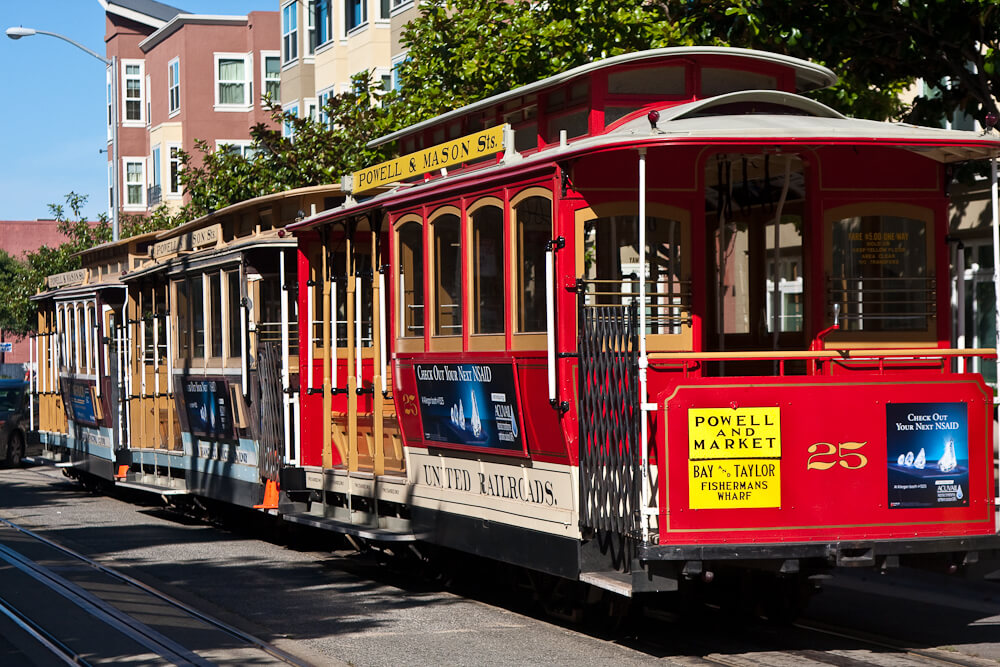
734, 484
734, 433
733, 458
463, 149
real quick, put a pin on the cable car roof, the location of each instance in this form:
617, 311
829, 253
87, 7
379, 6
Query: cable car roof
808, 76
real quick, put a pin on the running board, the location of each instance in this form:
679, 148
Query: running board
152, 488
364, 532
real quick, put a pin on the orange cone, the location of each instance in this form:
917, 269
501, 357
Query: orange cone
122, 471
270, 497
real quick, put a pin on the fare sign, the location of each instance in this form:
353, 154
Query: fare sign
464, 149
734, 457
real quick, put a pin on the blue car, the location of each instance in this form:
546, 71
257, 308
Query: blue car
14, 421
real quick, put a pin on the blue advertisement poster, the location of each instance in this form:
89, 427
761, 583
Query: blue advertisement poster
81, 403
470, 404
207, 407
928, 454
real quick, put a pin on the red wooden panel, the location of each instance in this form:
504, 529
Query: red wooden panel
838, 476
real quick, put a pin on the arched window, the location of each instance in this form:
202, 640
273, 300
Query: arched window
487, 270
448, 275
411, 281
533, 229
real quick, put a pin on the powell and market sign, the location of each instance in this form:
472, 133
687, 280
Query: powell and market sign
464, 149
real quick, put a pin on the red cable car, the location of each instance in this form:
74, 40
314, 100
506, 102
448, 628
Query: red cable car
657, 316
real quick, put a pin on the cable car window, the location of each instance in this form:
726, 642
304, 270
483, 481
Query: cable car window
235, 322
487, 270
146, 325
198, 316
81, 340
411, 280
448, 276
612, 268
534, 229
183, 315
880, 277
215, 312
92, 338
160, 310
718, 81
666, 80
270, 309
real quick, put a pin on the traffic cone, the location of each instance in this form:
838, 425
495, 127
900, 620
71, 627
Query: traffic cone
270, 497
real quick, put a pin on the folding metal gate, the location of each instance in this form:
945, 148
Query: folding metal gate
272, 425
609, 418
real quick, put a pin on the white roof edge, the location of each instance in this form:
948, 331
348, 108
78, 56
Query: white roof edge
815, 75
180, 20
131, 14
771, 96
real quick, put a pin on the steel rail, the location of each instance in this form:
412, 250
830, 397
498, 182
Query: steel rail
273, 651
40, 635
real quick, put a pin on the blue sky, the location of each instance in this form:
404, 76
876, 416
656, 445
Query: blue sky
54, 114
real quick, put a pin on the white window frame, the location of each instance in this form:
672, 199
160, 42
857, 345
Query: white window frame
173, 87
362, 24
290, 37
110, 100
399, 6
149, 100
170, 193
394, 68
247, 58
321, 97
311, 105
141, 121
243, 144
141, 206
264, 55
310, 8
286, 130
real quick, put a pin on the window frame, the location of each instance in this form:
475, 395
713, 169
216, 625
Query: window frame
413, 343
246, 82
173, 87
432, 274
290, 36
523, 340
172, 159
887, 206
125, 205
265, 79
488, 340
349, 25
141, 100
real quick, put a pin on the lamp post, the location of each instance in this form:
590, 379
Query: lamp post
17, 32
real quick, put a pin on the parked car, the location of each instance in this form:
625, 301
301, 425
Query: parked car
14, 421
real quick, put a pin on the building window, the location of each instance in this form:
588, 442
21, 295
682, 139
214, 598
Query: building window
110, 98
135, 183
311, 27
155, 193
132, 90
448, 276
175, 170
312, 109
232, 83
487, 270
355, 13
290, 31
397, 64
534, 229
411, 280
322, 19
174, 85
324, 97
149, 100
384, 9
242, 147
287, 129
271, 75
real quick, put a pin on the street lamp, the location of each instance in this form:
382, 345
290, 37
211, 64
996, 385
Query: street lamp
17, 32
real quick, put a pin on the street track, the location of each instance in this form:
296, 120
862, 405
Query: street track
77, 611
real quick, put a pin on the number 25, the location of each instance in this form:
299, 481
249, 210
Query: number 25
844, 452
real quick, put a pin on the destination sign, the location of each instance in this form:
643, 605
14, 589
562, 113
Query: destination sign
464, 149
68, 278
189, 241
734, 457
